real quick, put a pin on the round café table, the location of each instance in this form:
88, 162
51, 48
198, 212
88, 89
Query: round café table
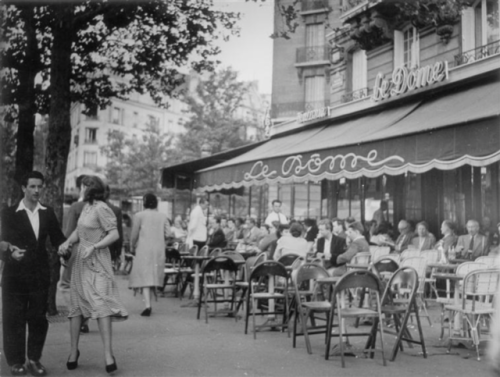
198, 260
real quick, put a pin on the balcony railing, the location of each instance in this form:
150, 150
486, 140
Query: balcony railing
312, 54
309, 5
292, 109
481, 52
355, 95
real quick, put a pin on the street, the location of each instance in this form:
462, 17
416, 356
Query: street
173, 343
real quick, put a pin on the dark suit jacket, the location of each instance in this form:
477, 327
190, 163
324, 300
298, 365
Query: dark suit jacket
337, 247
217, 239
311, 234
33, 270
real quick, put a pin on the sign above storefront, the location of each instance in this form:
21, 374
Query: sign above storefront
313, 114
404, 80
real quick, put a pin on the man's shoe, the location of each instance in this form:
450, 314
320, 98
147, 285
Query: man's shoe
18, 370
36, 368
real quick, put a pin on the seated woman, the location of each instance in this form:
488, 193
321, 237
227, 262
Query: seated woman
270, 236
424, 239
293, 243
179, 229
449, 239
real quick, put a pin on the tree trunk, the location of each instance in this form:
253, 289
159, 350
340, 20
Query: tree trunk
26, 96
59, 135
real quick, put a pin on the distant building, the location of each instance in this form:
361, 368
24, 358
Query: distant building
90, 133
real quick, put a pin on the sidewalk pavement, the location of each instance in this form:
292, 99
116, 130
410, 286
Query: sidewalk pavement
173, 343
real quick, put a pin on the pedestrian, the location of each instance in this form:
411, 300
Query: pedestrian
150, 229
94, 293
197, 228
26, 276
71, 221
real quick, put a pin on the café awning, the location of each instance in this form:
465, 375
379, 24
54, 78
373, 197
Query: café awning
444, 132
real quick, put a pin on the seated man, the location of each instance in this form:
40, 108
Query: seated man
404, 238
473, 244
253, 234
357, 245
217, 238
329, 245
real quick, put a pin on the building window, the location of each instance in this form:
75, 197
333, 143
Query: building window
90, 135
406, 48
89, 158
153, 121
359, 70
480, 24
135, 121
314, 92
117, 115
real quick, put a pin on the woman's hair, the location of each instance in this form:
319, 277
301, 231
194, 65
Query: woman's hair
450, 225
296, 229
96, 190
424, 224
150, 201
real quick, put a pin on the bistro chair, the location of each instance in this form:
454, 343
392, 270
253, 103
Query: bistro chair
216, 290
172, 272
409, 253
363, 258
394, 257
309, 301
462, 270
243, 285
379, 252
356, 279
288, 259
261, 288
478, 290
420, 265
431, 256
398, 302
187, 269
489, 260
384, 268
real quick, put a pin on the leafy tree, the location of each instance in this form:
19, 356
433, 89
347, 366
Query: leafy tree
57, 53
134, 164
214, 122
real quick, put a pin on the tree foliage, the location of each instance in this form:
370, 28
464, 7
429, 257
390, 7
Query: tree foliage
134, 163
214, 123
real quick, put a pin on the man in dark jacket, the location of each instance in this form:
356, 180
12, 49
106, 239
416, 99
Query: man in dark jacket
217, 238
329, 245
26, 276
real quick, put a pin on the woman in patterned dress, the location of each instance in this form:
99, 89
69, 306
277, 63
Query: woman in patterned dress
93, 291
149, 230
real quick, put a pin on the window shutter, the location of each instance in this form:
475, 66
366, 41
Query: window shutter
398, 49
468, 31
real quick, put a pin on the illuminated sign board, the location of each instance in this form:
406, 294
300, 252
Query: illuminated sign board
404, 80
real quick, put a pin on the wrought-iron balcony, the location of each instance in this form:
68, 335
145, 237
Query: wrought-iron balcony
312, 54
478, 53
310, 5
355, 95
292, 109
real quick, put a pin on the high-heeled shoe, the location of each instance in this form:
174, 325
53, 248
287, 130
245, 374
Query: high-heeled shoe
111, 367
146, 312
71, 365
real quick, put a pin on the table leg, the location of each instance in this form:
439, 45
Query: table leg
196, 291
457, 324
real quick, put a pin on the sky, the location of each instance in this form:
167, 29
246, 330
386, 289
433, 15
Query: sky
251, 54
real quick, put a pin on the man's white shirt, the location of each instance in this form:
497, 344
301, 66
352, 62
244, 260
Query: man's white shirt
32, 216
275, 216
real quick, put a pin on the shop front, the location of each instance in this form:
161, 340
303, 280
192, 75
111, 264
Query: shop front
430, 157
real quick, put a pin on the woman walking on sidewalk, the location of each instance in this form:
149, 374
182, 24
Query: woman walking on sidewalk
93, 292
149, 230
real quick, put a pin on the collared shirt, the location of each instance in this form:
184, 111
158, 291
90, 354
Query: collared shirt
32, 216
276, 216
326, 249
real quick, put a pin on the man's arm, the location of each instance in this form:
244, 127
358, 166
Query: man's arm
346, 257
56, 235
